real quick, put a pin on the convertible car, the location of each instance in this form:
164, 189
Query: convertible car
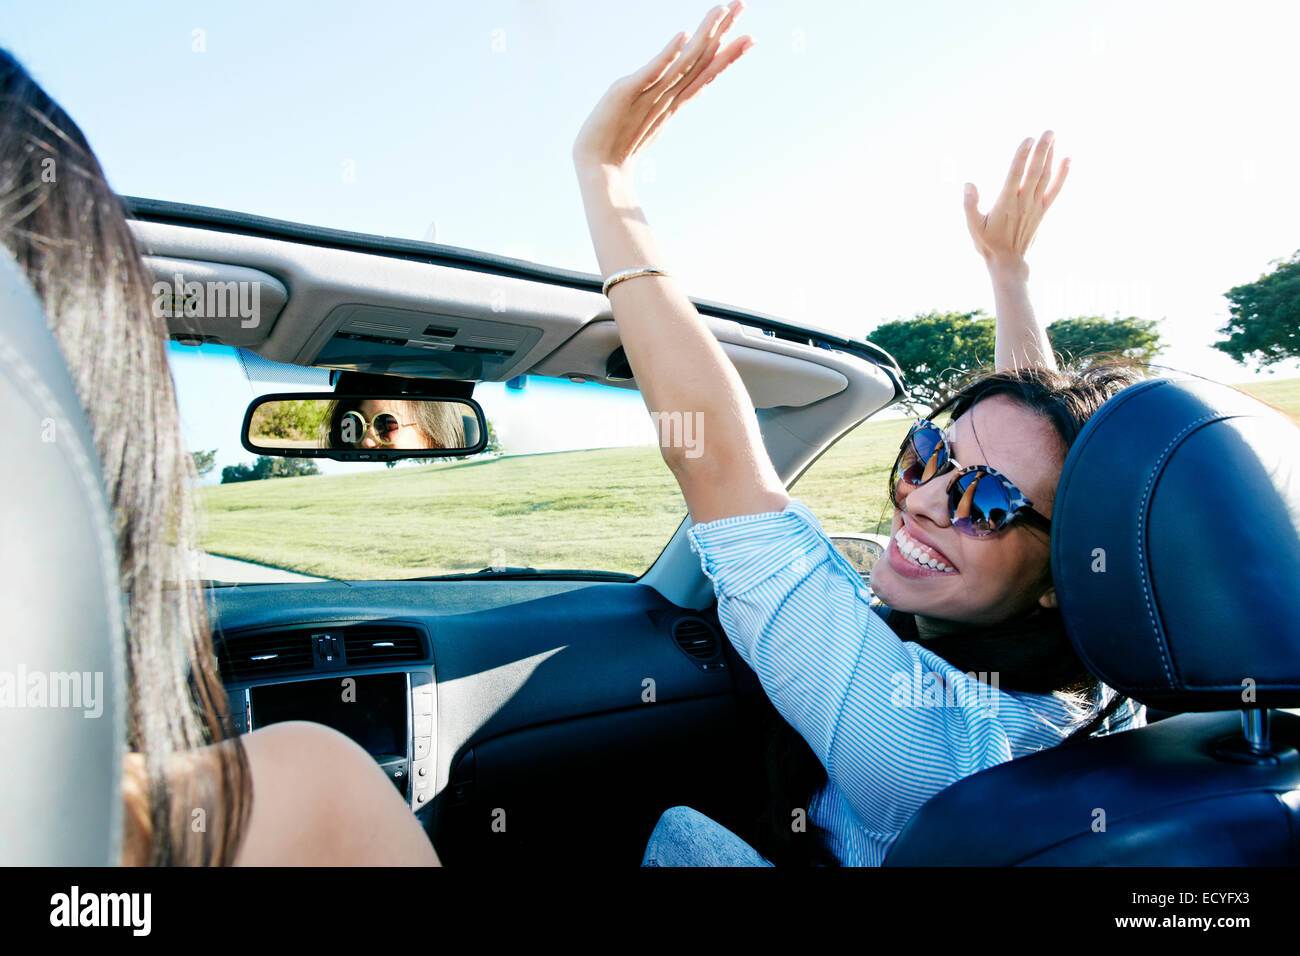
533, 642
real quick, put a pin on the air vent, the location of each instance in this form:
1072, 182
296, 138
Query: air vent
256, 655
698, 640
382, 644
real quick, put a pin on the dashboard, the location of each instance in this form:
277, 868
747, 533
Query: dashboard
389, 714
499, 707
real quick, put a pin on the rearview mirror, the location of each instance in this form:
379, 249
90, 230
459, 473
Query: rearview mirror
349, 427
861, 550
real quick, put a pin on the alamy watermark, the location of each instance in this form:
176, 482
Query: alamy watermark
923, 688
209, 300
53, 690
74, 908
680, 430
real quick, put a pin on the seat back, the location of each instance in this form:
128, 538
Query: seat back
62, 688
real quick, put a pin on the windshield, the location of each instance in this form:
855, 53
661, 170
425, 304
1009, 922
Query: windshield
572, 480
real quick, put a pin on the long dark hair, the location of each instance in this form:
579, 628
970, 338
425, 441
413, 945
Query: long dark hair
65, 227
1029, 653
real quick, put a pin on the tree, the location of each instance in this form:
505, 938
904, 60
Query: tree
289, 420
1092, 340
285, 467
1265, 323
493, 446
233, 474
204, 461
934, 348
268, 467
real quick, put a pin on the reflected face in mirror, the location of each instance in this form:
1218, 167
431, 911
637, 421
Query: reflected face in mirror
398, 424
385, 423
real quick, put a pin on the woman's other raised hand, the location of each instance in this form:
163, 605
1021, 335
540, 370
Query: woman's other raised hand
1004, 233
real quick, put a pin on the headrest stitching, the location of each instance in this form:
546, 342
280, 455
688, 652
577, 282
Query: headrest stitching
1162, 644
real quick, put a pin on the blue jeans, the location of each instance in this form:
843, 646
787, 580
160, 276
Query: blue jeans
685, 837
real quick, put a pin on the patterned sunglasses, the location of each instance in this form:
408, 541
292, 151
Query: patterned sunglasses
981, 501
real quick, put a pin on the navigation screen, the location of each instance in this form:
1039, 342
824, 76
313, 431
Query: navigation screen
369, 708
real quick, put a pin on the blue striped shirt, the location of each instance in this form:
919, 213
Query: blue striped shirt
892, 722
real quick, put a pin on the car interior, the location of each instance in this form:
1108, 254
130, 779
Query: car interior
512, 711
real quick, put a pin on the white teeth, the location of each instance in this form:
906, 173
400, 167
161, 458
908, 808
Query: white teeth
917, 553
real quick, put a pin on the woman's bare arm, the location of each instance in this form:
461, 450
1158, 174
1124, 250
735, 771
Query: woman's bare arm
1002, 236
320, 800
679, 366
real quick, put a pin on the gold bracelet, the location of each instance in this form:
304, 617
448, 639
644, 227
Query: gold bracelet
633, 273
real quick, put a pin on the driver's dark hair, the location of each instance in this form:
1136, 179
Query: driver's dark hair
65, 228
1029, 653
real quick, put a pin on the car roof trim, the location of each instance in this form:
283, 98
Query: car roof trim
225, 220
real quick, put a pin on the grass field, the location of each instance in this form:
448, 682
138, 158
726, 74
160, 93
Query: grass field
1284, 394
607, 509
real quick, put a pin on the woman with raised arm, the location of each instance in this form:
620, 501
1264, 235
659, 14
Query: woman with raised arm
970, 610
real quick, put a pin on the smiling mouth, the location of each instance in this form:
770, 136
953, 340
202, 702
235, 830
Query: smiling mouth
919, 554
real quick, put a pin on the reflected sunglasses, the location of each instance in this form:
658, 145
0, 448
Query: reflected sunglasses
981, 502
353, 427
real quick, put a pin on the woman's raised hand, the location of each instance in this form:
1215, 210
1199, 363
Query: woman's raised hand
632, 112
1003, 234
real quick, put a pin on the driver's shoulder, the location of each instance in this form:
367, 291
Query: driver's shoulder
319, 799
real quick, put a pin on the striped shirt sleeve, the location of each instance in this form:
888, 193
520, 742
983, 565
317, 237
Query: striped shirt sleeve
892, 722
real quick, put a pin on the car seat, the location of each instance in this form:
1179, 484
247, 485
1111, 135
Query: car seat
62, 653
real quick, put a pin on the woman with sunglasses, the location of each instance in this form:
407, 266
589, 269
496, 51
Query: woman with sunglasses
395, 423
966, 664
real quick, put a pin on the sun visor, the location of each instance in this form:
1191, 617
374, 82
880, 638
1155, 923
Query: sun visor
771, 377
215, 302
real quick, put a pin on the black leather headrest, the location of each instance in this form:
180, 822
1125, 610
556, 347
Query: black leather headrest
1176, 547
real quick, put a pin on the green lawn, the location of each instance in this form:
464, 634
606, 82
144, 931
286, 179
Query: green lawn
609, 509
1284, 394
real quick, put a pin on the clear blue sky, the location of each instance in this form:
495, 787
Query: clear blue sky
819, 180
